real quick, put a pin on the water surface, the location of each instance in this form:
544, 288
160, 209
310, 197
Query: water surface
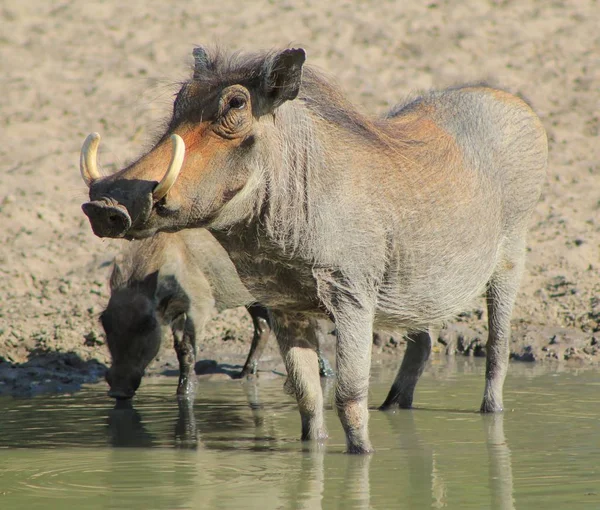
237, 447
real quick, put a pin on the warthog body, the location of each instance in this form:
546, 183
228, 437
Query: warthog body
400, 221
174, 280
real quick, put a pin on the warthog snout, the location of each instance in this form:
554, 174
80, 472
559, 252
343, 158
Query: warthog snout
117, 203
122, 386
107, 220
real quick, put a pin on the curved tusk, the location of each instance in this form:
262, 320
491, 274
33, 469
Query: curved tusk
173, 171
87, 159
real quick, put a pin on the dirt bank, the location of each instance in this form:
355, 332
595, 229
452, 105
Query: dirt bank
69, 68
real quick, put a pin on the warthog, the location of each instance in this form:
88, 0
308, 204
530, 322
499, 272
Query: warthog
398, 221
176, 280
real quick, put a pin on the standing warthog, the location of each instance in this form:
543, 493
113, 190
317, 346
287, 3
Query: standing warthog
177, 280
400, 221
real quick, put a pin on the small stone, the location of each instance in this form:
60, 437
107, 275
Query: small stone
92, 340
229, 335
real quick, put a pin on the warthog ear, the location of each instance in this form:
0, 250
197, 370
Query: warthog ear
150, 284
282, 76
201, 61
117, 278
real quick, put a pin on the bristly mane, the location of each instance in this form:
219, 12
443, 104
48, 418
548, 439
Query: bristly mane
319, 93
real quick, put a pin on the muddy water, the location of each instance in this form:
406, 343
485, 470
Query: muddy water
238, 448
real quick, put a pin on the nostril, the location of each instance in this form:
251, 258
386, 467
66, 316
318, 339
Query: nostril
107, 220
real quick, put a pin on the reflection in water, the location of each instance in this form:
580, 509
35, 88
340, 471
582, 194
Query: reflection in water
237, 446
426, 487
500, 468
126, 427
186, 435
438, 487
421, 471
141, 479
342, 481
307, 489
357, 484
252, 395
327, 480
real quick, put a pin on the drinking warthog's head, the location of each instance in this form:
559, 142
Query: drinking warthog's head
133, 332
209, 165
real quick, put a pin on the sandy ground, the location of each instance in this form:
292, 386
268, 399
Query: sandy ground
69, 68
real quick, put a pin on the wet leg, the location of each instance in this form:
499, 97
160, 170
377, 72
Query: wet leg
353, 364
262, 331
185, 346
186, 434
298, 346
501, 295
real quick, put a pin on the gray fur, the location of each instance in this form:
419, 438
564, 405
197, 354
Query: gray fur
401, 221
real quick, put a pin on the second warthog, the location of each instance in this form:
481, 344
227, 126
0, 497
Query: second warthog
174, 280
399, 221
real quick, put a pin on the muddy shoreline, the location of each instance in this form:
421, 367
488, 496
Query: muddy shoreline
222, 354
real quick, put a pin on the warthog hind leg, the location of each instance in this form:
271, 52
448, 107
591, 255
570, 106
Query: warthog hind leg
418, 348
298, 344
501, 295
262, 331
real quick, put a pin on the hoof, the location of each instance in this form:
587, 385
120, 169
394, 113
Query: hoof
394, 404
319, 436
364, 449
490, 408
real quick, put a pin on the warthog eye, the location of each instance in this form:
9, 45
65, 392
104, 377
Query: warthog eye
237, 103
233, 119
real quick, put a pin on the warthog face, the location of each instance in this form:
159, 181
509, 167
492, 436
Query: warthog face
133, 334
213, 152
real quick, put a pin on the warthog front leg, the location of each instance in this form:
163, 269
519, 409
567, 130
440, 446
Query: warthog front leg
262, 331
501, 295
184, 336
298, 345
418, 348
354, 329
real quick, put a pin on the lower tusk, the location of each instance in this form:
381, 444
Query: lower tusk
172, 173
87, 159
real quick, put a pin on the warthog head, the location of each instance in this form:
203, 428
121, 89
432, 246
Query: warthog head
133, 332
208, 166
